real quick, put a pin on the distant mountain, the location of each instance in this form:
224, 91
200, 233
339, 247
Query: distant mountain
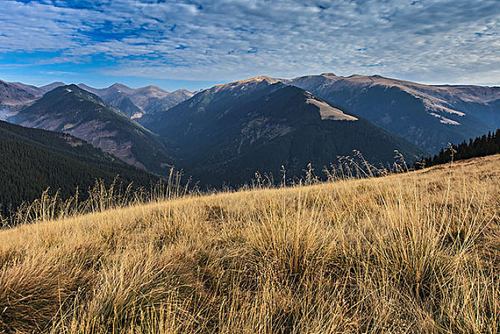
72, 110
16, 93
118, 97
49, 87
136, 102
428, 116
13, 97
227, 133
143, 96
33, 159
158, 104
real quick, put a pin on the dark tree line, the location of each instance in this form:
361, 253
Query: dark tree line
33, 160
478, 147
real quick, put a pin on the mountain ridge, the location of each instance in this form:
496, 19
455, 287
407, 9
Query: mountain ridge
229, 132
135, 102
428, 115
82, 114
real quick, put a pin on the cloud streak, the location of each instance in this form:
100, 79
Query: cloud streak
425, 40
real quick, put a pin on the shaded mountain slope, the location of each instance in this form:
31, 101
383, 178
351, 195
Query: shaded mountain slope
227, 133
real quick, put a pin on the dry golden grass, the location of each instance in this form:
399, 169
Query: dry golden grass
407, 253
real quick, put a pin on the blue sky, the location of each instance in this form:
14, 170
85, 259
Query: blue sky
195, 44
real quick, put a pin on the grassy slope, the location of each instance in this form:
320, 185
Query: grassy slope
402, 254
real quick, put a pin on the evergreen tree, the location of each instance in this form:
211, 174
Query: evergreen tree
478, 147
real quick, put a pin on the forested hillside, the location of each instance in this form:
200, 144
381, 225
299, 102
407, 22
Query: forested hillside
32, 160
478, 147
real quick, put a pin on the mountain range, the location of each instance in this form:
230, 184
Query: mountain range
75, 111
224, 134
133, 102
428, 116
136, 102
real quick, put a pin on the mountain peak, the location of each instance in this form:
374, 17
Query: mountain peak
71, 88
241, 83
54, 84
259, 78
152, 87
73, 110
73, 91
182, 91
120, 87
117, 84
150, 91
229, 132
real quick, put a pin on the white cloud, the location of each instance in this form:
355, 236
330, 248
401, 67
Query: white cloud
431, 40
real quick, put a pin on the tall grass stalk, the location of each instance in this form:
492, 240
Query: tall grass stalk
50, 206
408, 253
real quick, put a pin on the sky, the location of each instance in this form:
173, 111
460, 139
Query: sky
195, 44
